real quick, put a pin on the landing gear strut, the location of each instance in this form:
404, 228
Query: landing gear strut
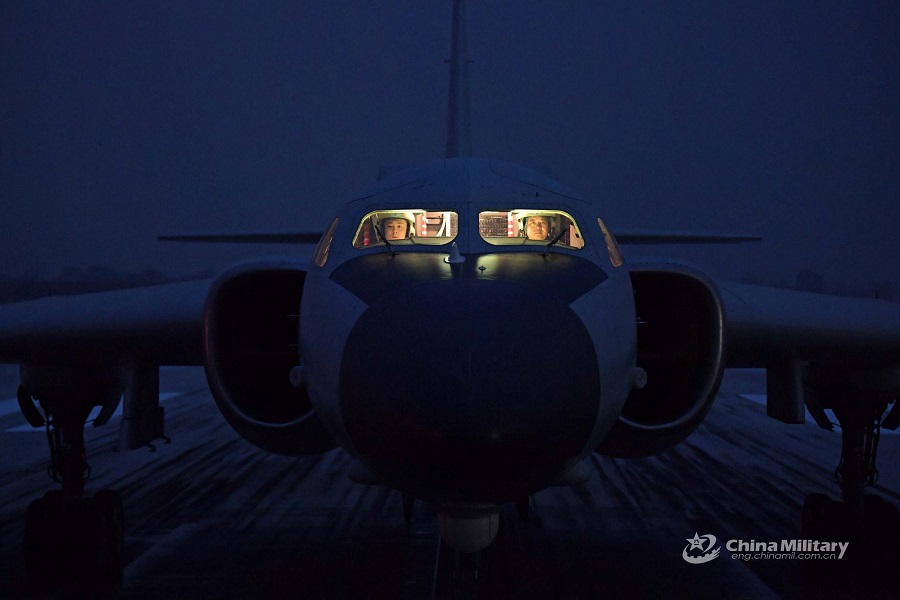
858, 399
70, 537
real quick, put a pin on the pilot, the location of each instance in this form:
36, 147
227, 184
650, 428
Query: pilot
394, 228
537, 227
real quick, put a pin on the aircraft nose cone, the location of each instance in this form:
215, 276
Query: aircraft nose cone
472, 390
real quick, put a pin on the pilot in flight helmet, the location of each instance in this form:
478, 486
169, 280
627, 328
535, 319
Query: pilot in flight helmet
381, 217
523, 216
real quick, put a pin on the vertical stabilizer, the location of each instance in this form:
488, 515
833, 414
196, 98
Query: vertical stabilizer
458, 142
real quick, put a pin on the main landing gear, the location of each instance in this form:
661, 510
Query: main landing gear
858, 399
70, 537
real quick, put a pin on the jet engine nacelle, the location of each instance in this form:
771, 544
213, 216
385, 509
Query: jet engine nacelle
251, 329
681, 341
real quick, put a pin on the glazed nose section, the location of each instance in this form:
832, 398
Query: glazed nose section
472, 390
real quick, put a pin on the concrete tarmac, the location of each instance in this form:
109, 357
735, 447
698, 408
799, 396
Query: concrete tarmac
210, 516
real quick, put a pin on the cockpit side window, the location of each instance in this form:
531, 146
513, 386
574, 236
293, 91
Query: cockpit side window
612, 246
519, 227
406, 227
324, 246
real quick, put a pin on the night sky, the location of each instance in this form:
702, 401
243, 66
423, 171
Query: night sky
123, 120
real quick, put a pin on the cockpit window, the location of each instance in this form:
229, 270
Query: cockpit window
406, 227
529, 227
324, 246
612, 246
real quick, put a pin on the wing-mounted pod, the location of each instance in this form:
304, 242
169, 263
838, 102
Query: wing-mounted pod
681, 341
251, 331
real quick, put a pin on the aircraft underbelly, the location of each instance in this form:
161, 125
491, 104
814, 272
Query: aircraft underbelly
469, 389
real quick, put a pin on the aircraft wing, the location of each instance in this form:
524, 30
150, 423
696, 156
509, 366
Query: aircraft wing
82, 351
164, 325
764, 325
161, 325
819, 351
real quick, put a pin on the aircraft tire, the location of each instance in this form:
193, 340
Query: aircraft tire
815, 515
108, 521
37, 540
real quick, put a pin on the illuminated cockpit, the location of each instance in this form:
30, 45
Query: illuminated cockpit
530, 227
512, 227
406, 226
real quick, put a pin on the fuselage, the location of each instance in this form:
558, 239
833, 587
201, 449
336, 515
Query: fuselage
474, 374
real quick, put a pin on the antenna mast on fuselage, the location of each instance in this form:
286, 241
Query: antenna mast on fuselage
458, 142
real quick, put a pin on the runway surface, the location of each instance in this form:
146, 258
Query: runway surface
209, 516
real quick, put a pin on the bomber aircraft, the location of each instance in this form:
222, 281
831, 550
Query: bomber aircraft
435, 280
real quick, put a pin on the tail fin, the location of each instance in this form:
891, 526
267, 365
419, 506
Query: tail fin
458, 142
